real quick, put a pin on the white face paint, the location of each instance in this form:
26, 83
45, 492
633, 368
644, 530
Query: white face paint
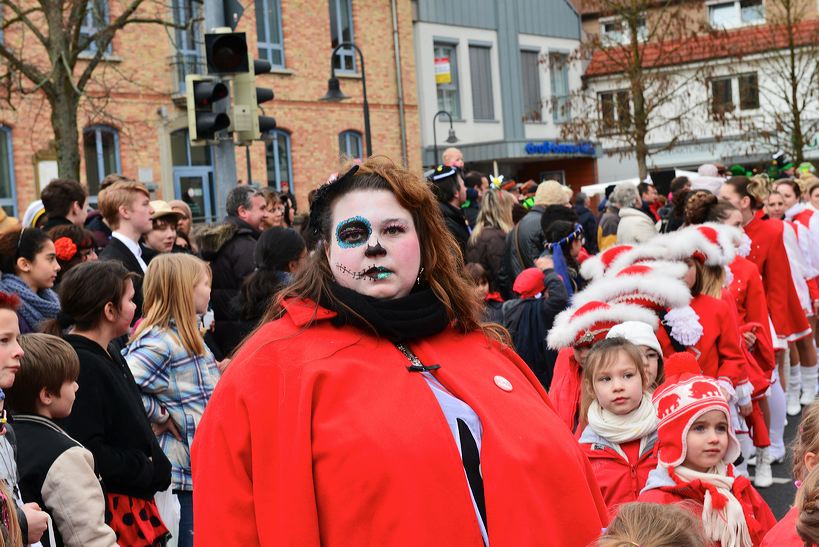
374, 248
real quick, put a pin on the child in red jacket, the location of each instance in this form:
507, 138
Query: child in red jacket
619, 440
696, 447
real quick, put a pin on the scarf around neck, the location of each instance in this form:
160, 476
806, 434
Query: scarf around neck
36, 307
637, 424
722, 516
417, 315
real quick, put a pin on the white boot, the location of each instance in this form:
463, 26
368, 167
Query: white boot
794, 387
809, 376
764, 476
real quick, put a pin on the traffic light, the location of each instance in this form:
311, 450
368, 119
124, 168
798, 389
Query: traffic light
202, 93
226, 52
246, 124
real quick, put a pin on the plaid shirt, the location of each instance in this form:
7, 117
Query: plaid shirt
174, 384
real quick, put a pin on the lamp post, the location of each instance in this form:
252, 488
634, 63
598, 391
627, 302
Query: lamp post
451, 139
334, 93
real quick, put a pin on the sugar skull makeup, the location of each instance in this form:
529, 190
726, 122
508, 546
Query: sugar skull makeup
353, 232
374, 249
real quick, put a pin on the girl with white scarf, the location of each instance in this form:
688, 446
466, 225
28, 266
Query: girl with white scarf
621, 432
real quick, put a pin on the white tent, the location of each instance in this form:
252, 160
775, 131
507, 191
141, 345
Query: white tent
600, 188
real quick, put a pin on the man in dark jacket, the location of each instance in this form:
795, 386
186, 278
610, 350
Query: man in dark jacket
587, 220
525, 243
476, 184
232, 262
449, 188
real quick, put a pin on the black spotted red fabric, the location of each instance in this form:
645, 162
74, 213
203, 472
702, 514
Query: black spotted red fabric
135, 521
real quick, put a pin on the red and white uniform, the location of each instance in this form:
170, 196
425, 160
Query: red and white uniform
752, 309
769, 254
804, 215
795, 235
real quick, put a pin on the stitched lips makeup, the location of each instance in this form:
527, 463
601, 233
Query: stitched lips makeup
374, 273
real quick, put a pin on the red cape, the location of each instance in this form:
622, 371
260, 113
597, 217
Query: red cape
318, 435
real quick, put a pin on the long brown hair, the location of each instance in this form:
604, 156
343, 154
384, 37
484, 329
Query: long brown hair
440, 257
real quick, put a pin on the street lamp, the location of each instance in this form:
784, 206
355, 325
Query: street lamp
451, 139
334, 93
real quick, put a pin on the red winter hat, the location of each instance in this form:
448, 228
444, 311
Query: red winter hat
587, 324
684, 397
529, 283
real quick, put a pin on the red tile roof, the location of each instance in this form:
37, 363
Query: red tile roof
715, 45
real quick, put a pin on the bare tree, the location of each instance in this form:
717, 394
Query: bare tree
55, 47
785, 53
645, 53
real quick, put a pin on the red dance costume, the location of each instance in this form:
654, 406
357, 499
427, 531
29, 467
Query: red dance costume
769, 254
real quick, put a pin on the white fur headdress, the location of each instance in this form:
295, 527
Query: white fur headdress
589, 323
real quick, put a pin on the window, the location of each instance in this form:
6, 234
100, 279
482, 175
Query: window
736, 14
616, 31
480, 68
269, 31
615, 111
101, 151
730, 91
349, 144
341, 30
559, 77
8, 199
187, 58
448, 93
96, 19
530, 76
279, 163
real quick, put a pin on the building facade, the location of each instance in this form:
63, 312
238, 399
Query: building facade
503, 70
732, 85
139, 128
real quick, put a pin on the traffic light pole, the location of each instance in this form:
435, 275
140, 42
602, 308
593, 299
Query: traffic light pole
224, 154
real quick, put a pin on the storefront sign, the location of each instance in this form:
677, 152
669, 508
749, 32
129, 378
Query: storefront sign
442, 71
553, 147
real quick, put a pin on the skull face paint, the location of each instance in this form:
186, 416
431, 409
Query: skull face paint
353, 232
374, 249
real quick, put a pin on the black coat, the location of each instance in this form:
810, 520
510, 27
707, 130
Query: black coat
54, 222
487, 250
589, 223
116, 250
456, 224
523, 245
529, 320
232, 262
109, 420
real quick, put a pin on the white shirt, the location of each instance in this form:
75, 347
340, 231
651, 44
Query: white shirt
133, 246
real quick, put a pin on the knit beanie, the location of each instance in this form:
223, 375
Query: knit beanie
551, 192
680, 401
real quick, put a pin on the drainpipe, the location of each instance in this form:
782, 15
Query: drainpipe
399, 84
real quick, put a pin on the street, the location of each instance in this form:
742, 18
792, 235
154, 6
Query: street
780, 495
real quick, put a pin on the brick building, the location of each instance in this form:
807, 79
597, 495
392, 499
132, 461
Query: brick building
141, 131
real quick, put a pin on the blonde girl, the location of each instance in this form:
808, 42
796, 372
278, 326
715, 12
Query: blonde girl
173, 368
803, 515
488, 239
653, 524
622, 423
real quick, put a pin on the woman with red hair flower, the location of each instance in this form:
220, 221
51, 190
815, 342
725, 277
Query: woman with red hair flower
73, 245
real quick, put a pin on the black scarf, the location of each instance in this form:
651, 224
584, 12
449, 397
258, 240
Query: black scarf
417, 315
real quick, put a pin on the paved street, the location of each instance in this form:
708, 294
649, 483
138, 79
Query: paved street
780, 495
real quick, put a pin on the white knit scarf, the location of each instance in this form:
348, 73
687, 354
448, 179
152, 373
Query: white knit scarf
637, 424
727, 526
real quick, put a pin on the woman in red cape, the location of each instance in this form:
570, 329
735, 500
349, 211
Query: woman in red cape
374, 409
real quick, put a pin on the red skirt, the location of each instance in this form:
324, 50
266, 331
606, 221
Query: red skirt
135, 521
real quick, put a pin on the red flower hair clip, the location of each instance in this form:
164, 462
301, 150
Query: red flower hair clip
66, 249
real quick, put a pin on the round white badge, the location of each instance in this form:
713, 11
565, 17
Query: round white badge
503, 383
